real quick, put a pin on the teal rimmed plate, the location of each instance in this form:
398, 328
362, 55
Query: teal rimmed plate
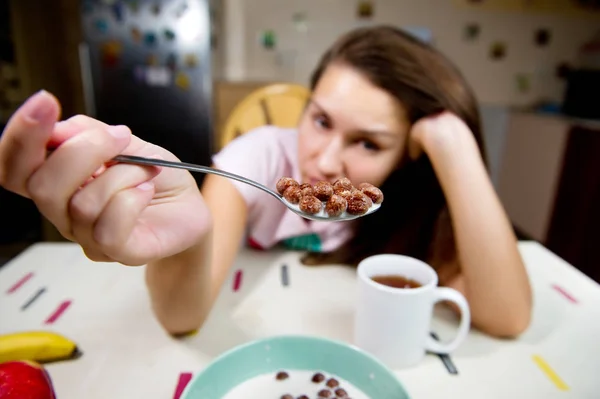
290, 353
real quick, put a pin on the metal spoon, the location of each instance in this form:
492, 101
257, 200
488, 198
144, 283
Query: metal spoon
321, 216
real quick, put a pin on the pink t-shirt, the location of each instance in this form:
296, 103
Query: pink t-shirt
265, 155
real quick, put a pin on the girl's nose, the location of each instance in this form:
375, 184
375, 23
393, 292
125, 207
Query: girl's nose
330, 159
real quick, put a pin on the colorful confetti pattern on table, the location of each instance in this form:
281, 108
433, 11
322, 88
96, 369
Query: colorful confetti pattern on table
20, 283
564, 293
34, 298
285, 275
550, 373
184, 379
58, 312
237, 280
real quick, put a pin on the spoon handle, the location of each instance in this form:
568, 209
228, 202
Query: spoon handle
192, 168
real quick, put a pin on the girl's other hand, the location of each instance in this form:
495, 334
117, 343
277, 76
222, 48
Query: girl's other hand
442, 130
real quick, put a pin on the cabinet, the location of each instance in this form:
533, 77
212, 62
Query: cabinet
549, 184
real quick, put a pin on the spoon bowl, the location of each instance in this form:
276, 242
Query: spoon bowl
322, 216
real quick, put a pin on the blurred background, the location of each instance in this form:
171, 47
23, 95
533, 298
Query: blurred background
175, 70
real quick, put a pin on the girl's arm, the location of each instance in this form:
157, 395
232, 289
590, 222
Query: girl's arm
493, 277
183, 287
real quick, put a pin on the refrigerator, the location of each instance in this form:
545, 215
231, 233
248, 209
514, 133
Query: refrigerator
147, 64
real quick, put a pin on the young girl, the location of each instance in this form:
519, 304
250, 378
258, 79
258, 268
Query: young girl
385, 109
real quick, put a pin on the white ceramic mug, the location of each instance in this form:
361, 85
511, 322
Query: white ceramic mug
394, 323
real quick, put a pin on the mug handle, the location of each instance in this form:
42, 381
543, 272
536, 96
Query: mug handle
449, 294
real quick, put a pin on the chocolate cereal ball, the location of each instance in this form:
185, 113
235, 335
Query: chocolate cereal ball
364, 185
332, 383
336, 205
342, 192
306, 189
282, 375
323, 190
284, 183
310, 204
317, 378
344, 183
324, 393
292, 194
373, 193
358, 204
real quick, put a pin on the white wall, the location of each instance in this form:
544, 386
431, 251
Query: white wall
494, 81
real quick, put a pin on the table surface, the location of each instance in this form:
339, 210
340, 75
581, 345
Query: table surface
128, 355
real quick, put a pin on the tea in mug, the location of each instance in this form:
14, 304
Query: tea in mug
396, 281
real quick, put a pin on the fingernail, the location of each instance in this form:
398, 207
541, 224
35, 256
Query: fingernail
38, 108
118, 131
146, 186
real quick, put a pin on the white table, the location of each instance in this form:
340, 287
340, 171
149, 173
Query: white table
128, 355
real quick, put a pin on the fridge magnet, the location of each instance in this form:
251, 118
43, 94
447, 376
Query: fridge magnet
300, 21
523, 82
139, 74
471, 32
136, 34
151, 60
191, 61
150, 39
111, 51
542, 37
158, 76
364, 9
118, 10
156, 8
172, 61
134, 6
498, 51
169, 34
182, 81
181, 10
101, 25
268, 39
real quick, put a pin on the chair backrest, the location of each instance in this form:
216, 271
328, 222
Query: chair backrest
278, 104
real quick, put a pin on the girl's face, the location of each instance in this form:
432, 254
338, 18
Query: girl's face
352, 129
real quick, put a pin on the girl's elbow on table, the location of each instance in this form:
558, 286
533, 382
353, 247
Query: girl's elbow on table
503, 320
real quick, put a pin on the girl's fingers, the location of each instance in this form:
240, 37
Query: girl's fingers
69, 128
23, 142
89, 202
114, 230
95, 255
69, 167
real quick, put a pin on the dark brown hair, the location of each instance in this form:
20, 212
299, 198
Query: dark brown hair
414, 219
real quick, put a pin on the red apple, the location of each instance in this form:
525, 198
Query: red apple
25, 380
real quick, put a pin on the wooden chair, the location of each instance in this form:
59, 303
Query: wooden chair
279, 104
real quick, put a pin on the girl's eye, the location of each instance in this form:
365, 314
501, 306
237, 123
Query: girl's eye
322, 122
369, 145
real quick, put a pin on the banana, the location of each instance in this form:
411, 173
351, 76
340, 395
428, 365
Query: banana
38, 346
